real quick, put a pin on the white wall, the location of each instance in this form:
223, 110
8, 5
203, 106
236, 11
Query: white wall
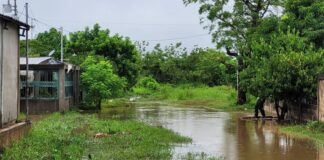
10, 73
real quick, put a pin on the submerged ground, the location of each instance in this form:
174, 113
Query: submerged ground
173, 123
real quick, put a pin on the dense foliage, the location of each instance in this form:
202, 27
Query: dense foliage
99, 81
44, 43
121, 52
307, 17
175, 65
285, 68
232, 24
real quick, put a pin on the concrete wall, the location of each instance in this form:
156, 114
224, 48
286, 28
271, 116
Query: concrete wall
9, 66
295, 112
40, 106
308, 112
13, 133
63, 103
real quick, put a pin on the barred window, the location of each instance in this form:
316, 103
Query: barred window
41, 84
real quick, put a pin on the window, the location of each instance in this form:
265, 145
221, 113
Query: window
41, 84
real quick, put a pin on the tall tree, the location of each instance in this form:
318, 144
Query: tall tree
44, 43
307, 17
121, 51
284, 67
233, 24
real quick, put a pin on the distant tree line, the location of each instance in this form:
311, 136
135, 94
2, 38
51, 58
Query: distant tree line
174, 64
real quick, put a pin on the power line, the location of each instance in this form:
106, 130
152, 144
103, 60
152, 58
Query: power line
45, 23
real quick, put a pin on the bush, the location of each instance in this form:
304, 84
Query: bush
148, 83
315, 126
99, 81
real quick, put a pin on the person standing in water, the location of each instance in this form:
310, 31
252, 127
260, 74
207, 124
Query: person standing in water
259, 106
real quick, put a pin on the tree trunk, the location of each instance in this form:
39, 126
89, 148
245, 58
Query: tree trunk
99, 104
241, 98
277, 106
241, 94
284, 111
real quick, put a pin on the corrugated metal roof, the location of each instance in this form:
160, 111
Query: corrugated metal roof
39, 60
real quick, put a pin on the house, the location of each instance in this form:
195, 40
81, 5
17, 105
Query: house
10, 30
53, 85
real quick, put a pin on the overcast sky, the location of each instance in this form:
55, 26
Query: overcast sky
151, 20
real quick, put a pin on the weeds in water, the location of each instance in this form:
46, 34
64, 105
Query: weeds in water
312, 130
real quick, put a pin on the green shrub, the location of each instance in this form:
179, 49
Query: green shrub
315, 126
148, 83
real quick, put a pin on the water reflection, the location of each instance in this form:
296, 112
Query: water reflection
259, 140
224, 134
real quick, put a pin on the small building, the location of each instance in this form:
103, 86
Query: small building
53, 85
10, 30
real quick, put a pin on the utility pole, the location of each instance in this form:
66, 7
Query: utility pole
62, 45
15, 9
27, 67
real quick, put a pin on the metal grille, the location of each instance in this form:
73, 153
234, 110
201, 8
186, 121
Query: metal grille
42, 85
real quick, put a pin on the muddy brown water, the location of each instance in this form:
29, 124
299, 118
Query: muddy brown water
222, 134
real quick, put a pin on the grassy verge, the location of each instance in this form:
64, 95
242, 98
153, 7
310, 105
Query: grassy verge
219, 97
312, 130
73, 136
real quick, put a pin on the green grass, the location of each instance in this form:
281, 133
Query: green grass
72, 136
219, 97
312, 131
21, 117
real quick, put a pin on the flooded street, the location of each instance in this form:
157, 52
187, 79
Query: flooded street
222, 134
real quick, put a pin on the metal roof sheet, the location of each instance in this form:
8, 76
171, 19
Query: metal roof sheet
39, 60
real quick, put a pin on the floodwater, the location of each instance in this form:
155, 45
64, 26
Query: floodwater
222, 134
